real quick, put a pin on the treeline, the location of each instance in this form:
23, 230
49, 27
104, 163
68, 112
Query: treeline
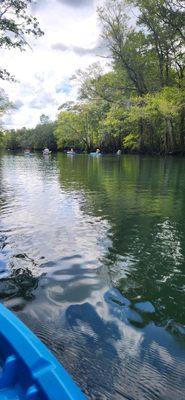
139, 105
34, 139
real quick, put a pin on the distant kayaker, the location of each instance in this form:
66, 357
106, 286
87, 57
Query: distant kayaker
97, 151
46, 151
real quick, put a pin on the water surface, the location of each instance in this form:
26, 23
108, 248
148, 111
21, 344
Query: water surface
93, 261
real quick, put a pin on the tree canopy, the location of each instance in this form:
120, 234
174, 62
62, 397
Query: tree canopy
140, 104
34, 138
16, 24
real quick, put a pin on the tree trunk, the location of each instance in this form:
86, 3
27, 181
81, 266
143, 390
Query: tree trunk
167, 67
182, 129
169, 134
141, 142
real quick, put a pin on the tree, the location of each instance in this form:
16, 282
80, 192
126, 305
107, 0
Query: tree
16, 23
5, 105
36, 138
128, 48
164, 21
4, 102
11, 140
95, 85
159, 117
44, 119
153, 54
139, 104
79, 124
113, 127
70, 128
43, 136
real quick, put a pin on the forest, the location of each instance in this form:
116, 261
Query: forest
137, 104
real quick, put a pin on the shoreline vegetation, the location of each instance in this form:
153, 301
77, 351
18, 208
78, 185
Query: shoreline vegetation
138, 106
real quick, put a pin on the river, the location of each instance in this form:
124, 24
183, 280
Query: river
93, 261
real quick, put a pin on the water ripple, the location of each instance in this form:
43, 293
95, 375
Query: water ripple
92, 259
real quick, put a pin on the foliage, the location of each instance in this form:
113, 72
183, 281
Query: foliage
16, 23
5, 105
155, 119
69, 129
140, 104
4, 102
79, 126
131, 142
36, 138
44, 119
164, 21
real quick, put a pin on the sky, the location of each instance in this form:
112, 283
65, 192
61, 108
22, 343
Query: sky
71, 41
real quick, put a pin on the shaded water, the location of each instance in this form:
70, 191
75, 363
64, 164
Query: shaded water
93, 261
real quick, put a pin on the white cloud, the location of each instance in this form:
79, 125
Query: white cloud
43, 73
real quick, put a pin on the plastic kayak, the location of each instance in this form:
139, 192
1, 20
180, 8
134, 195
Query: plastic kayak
28, 371
71, 153
94, 154
27, 153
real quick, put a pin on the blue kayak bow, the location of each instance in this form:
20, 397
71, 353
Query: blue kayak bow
28, 370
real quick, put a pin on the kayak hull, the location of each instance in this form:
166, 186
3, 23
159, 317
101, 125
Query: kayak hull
94, 154
29, 370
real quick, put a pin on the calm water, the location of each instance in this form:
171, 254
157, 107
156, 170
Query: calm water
93, 260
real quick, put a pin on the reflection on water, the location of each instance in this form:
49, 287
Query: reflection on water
92, 259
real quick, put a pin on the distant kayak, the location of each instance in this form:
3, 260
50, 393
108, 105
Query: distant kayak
28, 370
95, 154
71, 153
28, 153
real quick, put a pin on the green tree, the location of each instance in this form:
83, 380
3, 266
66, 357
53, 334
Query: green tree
11, 140
43, 136
78, 125
140, 103
95, 85
113, 127
5, 105
36, 138
164, 22
69, 129
153, 54
129, 49
16, 23
153, 122
44, 119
